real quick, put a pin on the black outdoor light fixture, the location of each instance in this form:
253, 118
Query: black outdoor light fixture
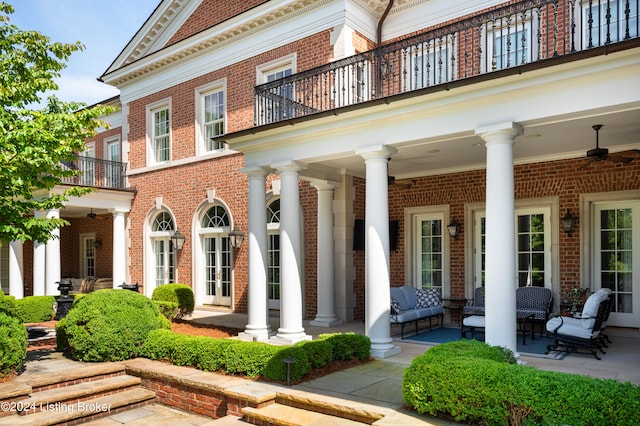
178, 239
454, 229
236, 237
568, 222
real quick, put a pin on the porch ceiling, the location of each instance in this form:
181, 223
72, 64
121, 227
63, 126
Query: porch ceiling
564, 138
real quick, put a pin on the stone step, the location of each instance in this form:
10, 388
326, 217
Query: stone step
285, 415
64, 413
326, 404
75, 393
71, 376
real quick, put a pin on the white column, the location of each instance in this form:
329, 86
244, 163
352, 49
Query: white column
291, 329
257, 327
500, 267
16, 282
326, 313
119, 261
39, 262
52, 265
377, 272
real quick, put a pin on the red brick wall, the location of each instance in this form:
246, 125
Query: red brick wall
101, 137
70, 255
211, 13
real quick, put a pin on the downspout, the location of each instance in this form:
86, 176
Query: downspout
378, 60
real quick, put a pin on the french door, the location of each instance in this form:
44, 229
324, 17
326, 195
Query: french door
217, 253
429, 252
165, 261
616, 258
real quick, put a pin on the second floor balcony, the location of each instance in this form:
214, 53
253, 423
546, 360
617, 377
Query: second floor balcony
507, 37
97, 173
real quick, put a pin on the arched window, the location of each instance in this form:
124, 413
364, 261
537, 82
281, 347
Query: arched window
217, 256
164, 253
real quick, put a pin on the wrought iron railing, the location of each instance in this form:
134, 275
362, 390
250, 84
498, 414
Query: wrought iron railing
509, 36
96, 172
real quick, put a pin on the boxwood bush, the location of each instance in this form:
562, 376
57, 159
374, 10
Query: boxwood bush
348, 345
13, 344
108, 325
475, 383
176, 293
252, 359
35, 308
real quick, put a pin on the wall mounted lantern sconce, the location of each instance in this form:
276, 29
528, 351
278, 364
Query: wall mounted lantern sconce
568, 222
454, 229
178, 239
236, 237
97, 243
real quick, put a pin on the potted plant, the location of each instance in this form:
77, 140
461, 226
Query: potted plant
572, 300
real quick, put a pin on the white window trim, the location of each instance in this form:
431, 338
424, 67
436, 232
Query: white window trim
200, 93
586, 221
107, 143
409, 242
150, 110
531, 25
472, 210
262, 71
443, 74
84, 237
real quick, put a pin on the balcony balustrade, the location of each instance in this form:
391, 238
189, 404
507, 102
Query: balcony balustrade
97, 173
517, 34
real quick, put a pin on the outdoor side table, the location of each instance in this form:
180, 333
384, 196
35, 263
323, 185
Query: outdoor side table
454, 306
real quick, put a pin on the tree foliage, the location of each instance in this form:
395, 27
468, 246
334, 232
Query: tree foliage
36, 143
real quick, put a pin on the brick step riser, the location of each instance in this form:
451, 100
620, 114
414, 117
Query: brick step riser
57, 405
98, 416
77, 381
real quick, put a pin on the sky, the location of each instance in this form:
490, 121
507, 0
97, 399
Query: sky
103, 26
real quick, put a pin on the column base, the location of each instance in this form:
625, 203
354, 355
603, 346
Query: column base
255, 335
326, 322
384, 350
289, 338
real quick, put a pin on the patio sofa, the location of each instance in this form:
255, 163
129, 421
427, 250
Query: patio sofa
531, 300
410, 305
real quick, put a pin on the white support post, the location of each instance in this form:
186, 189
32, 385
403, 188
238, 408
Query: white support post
119, 261
52, 265
500, 267
16, 282
377, 271
326, 313
257, 327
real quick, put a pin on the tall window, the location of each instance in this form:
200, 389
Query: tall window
273, 254
161, 142
430, 64
164, 252
217, 263
533, 247
113, 171
429, 251
213, 120
605, 21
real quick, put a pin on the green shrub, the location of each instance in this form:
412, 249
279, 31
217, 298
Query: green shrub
474, 383
211, 352
13, 344
348, 345
276, 368
319, 352
35, 308
168, 309
108, 325
7, 304
249, 358
177, 293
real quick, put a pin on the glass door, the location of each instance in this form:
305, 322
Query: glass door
429, 252
217, 251
616, 256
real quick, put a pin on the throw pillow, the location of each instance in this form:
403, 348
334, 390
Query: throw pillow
427, 298
395, 307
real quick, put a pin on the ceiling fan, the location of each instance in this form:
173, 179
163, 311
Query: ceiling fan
601, 154
92, 215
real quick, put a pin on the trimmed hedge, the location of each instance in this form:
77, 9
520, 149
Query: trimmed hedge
475, 383
13, 344
176, 293
108, 325
252, 359
35, 308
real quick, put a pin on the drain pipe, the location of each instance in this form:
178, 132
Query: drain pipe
378, 60
381, 21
